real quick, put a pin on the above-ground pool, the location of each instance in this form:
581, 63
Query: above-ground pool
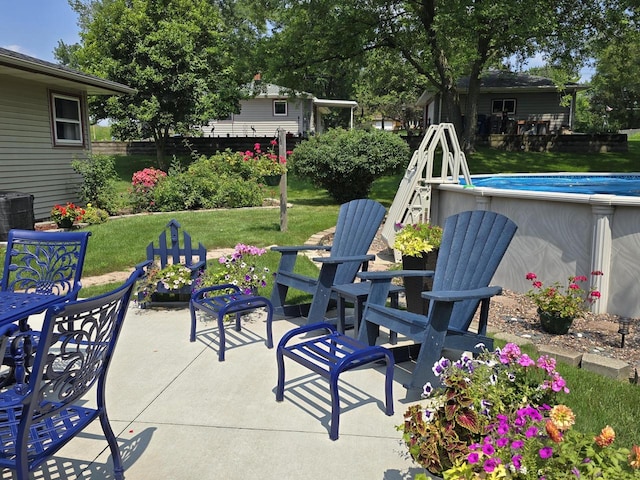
568, 224
587, 184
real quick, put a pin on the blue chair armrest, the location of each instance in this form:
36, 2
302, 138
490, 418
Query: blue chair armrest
143, 265
300, 248
390, 274
459, 295
338, 260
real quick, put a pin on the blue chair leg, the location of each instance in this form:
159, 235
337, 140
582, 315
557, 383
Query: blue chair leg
269, 308
221, 335
280, 385
118, 468
335, 405
192, 336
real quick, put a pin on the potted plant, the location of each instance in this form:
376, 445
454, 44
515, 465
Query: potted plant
269, 165
174, 279
65, 216
474, 393
559, 305
418, 244
238, 269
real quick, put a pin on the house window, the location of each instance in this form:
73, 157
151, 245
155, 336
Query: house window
280, 107
500, 105
67, 119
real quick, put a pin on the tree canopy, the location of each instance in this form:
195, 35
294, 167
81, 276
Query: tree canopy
444, 40
186, 58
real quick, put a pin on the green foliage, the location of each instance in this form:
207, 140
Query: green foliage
346, 162
98, 180
182, 57
223, 180
415, 239
94, 215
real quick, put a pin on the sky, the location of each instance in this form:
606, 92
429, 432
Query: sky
33, 27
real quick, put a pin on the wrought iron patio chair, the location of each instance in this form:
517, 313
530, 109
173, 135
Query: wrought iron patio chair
473, 245
45, 409
358, 222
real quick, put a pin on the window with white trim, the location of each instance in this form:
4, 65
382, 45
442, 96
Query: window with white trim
500, 105
67, 119
280, 108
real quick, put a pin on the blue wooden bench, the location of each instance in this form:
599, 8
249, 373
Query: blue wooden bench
172, 251
222, 304
330, 355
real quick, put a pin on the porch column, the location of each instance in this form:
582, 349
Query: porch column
601, 248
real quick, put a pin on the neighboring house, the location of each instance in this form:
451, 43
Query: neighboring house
271, 107
44, 125
514, 103
387, 124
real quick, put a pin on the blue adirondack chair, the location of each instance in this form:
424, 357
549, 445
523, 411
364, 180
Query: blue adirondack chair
473, 245
358, 222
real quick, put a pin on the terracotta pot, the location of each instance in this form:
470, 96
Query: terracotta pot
554, 324
413, 286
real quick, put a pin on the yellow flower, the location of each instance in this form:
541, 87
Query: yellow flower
562, 417
634, 457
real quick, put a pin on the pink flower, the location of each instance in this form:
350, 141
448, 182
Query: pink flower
545, 452
595, 294
537, 284
274, 142
574, 286
531, 276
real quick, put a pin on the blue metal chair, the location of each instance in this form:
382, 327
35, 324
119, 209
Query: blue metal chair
473, 245
45, 409
358, 222
44, 262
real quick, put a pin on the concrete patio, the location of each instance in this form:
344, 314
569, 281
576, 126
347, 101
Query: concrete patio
180, 414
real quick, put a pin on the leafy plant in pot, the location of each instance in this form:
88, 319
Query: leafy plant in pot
418, 244
559, 305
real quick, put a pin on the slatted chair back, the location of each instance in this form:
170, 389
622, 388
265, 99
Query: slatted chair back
171, 251
473, 244
44, 410
44, 262
356, 227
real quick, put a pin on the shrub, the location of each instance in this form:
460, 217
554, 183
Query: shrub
346, 163
93, 215
223, 180
99, 175
143, 185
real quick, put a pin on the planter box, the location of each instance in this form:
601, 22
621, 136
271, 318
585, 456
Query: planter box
414, 286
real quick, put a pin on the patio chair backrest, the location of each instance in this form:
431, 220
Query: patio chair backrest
44, 262
356, 227
172, 252
44, 409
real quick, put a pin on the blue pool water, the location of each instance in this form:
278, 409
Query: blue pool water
628, 185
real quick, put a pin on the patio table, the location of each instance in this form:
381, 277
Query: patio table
18, 306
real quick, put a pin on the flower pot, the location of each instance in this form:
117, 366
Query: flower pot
272, 180
554, 324
414, 286
65, 223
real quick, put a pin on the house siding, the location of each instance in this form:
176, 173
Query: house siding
258, 113
29, 163
535, 106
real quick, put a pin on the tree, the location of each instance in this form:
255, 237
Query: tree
615, 93
180, 55
444, 40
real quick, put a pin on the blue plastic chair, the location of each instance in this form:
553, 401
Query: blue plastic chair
358, 222
46, 408
473, 244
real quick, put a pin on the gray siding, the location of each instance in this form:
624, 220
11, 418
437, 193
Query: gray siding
258, 113
542, 106
29, 162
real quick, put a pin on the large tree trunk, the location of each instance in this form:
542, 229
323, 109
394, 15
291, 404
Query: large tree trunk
471, 111
160, 139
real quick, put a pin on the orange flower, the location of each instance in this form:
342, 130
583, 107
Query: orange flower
606, 437
552, 430
634, 457
562, 417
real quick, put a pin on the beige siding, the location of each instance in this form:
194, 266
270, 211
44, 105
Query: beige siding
29, 162
258, 113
